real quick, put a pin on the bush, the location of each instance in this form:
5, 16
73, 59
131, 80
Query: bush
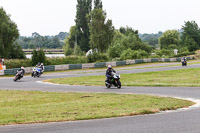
17, 63
139, 54
127, 54
184, 54
115, 50
66, 60
130, 54
163, 52
97, 57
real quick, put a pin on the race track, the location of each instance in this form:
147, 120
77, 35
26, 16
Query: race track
181, 121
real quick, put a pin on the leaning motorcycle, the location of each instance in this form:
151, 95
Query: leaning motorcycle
18, 76
113, 81
36, 72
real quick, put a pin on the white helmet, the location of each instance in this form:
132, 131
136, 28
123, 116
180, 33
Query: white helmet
109, 66
22, 68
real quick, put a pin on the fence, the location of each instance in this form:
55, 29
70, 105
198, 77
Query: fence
94, 65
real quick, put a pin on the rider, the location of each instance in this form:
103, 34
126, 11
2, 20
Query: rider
184, 59
109, 73
21, 71
41, 67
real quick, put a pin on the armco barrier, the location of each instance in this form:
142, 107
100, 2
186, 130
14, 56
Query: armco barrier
178, 59
1, 72
121, 63
75, 66
86, 66
154, 60
61, 67
49, 68
167, 60
92, 65
172, 59
98, 65
9, 72
111, 63
161, 59
139, 61
147, 60
129, 62
28, 69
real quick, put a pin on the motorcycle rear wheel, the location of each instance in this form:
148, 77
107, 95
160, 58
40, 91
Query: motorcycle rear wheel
118, 84
108, 86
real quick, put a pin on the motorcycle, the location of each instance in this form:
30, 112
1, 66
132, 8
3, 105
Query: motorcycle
36, 72
18, 76
184, 63
114, 80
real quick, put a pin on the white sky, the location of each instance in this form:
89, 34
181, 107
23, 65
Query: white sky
49, 17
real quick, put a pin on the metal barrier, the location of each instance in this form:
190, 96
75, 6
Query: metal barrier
93, 65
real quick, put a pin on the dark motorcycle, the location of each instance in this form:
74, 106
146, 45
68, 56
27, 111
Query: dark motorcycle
184, 63
114, 80
18, 76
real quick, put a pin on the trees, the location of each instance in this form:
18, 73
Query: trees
101, 30
169, 37
82, 33
8, 34
122, 42
38, 56
191, 35
98, 4
69, 43
38, 41
16, 52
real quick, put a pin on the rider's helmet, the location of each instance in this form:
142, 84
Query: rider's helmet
22, 68
42, 64
109, 67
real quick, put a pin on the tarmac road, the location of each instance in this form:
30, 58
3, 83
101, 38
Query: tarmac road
181, 121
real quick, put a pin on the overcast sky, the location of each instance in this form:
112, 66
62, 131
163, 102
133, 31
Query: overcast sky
49, 17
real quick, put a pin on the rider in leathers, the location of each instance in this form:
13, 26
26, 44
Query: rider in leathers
109, 73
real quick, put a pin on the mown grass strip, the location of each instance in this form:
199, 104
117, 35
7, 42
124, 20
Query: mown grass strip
17, 107
186, 77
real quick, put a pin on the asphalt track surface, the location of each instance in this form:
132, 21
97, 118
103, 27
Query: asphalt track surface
180, 121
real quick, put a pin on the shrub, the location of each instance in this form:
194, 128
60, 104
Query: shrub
127, 54
97, 57
17, 63
139, 54
66, 60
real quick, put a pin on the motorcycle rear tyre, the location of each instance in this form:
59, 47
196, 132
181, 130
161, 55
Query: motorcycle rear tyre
118, 84
108, 86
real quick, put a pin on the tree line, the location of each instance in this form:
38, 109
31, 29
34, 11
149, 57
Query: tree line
38, 41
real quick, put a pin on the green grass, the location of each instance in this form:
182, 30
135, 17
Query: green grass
186, 77
20, 107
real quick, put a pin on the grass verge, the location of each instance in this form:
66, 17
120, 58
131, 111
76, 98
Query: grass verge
186, 77
21, 107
